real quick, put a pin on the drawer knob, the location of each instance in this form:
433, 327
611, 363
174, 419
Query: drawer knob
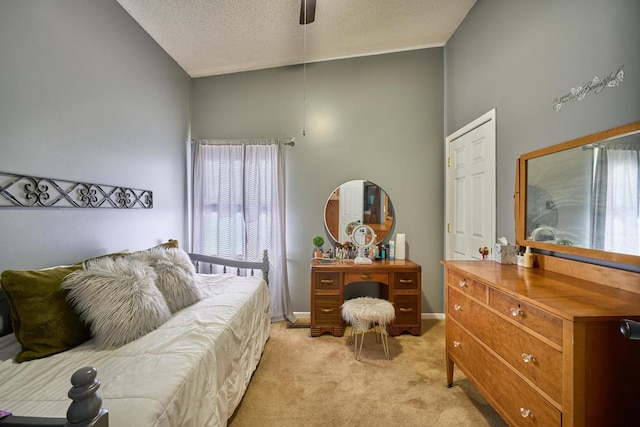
516, 311
527, 358
366, 276
406, 281
463, 283
525, 412
326, 281
406, 310
457, 344
326, 310
457, 307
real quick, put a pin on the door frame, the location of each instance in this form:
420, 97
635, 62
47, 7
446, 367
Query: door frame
449, 199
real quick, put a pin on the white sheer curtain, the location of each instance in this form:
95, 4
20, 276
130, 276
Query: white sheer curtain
623, 217
617, 202
239, 207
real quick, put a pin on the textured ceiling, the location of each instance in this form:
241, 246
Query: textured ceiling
209, 37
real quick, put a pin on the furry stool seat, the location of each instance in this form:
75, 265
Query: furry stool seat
364, 313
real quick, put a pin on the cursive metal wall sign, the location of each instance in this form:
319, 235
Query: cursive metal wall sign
33, 192
596, 85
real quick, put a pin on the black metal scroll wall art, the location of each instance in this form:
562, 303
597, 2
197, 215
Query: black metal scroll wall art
33, 192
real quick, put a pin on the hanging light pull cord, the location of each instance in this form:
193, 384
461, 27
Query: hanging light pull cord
304, 75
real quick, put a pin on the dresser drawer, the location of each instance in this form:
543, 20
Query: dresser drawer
468, 286
327, 310
534, 318
533, 358
405, 281
518, 403
366, 277
327, 281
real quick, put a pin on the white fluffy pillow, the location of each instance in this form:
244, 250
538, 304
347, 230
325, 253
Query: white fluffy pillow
177, 279
117, 297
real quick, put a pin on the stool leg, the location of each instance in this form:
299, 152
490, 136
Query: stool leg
359, 351
355, 346
383, 338
352, 332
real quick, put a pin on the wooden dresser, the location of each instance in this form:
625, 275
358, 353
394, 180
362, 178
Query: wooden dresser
545, 348
400, 283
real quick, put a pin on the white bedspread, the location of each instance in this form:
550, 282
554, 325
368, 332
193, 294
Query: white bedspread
192, 371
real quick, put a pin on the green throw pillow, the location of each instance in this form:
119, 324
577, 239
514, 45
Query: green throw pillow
43, 322
171, 244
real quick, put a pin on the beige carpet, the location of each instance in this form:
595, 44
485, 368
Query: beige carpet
304, 381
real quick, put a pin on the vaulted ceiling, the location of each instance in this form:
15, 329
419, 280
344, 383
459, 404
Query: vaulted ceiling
210, 37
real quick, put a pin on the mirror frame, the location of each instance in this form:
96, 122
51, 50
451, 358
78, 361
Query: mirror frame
520, 202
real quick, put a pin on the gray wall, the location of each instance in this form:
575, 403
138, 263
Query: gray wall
378, 118
518, 56
87, 95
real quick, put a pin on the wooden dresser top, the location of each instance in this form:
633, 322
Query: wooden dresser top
564, 295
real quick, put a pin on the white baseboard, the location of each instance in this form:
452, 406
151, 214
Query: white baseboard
302, 313
438, 316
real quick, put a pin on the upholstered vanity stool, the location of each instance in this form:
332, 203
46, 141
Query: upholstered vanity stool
364, 313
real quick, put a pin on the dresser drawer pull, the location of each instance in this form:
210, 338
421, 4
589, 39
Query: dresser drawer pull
406, 310
457, 307
527, 358
366, 276
327, 310
457, 344
326, 281
516, 311
525, 413
406, 281
463, 283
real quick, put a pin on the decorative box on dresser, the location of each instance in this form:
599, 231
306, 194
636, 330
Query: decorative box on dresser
400, 283
543, 345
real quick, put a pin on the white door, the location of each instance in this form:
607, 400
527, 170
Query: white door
351, 205
471, 188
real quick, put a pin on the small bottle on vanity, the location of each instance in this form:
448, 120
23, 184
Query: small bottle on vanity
392, 250
528, 258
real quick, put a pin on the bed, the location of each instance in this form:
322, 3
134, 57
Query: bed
192, 370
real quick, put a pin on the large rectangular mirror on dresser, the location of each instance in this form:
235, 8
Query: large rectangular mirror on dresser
552, 345
582, 197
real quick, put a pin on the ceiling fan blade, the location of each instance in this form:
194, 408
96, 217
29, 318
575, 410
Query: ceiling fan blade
309, 15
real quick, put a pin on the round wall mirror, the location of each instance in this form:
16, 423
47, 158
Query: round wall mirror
362, 202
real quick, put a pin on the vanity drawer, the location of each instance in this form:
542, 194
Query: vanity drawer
326, 281
407, 310
533, 358
468, 286
405, 281
366, 277
518, 403
327, 310
534, 318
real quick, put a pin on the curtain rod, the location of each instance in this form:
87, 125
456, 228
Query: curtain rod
291, 141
